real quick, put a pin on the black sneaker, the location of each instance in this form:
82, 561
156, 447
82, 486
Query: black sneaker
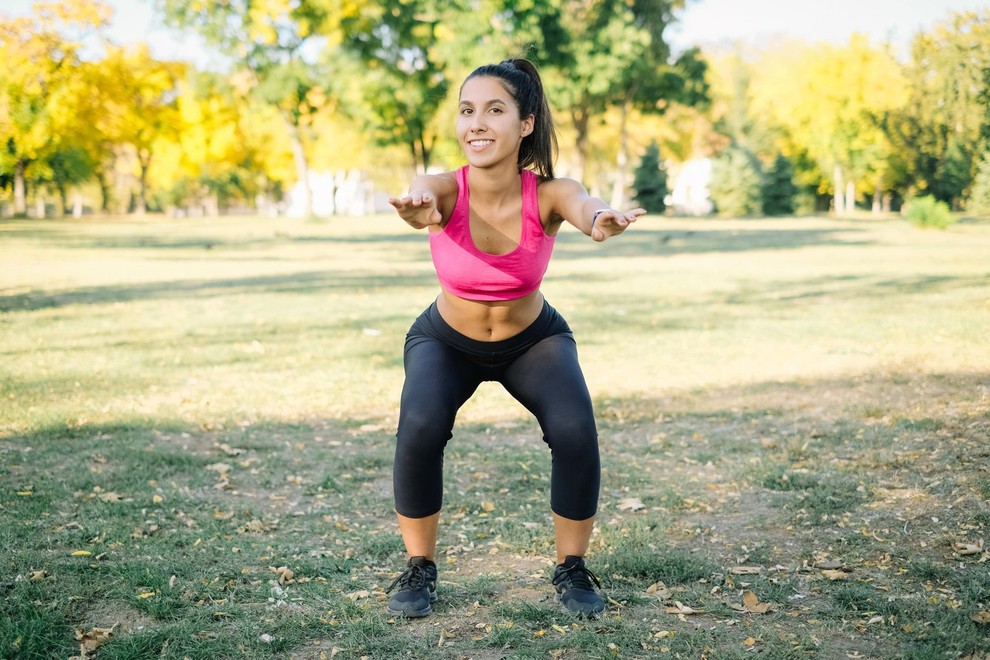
575, 588
417, 589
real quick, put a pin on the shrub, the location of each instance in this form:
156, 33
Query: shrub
928, 212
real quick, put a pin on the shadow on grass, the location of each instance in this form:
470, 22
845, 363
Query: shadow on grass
312, 282
658, 241
185, 525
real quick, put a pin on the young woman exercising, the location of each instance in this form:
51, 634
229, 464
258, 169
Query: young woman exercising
492, 226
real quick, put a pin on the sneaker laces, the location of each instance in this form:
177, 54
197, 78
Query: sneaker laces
578, 576
413, 577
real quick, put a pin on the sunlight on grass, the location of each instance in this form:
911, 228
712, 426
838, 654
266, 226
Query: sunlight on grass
795, 407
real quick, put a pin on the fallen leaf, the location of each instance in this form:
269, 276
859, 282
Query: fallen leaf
540, 633
90, 640
752, 603
631, 504
750, 642
147, 594
82, 553
488, 506
355, 596
38, 575
980, 617
745, 570
111, 497
658, 589
966, 548
834, 575
560, 629
680, 608
285, 575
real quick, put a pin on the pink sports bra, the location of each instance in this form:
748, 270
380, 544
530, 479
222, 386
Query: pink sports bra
467, 272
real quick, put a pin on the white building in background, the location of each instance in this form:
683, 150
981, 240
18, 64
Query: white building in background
690, 194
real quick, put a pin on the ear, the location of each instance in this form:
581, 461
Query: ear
527, 125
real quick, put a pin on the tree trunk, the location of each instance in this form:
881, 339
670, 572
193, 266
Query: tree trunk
101, 179
877, 201
580, 118
20, 189
63, 196
302, 165
838, 202
850, 196
144, 161
621, 161
77, 205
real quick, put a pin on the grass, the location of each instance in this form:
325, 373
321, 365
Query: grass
197, 418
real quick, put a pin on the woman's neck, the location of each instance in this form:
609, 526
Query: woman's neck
491, 186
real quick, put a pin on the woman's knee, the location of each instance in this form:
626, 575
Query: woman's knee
575, 434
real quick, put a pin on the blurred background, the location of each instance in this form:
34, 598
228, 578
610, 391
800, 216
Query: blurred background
316, 108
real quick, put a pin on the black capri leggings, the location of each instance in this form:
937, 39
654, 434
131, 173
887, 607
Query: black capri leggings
538, 367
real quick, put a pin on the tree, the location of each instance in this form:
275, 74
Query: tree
650, 182
778, 190
979, 199
947, 119
215, 159
39, 64
402, 78
141, 96
831, 104
272, 42
736, 181
615, 54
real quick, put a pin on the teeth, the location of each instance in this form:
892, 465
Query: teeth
480, 143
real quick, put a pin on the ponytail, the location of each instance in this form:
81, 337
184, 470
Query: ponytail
520, 78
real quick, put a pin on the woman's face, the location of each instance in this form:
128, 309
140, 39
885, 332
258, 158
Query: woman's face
489, 127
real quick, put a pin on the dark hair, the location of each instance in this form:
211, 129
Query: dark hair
521, 79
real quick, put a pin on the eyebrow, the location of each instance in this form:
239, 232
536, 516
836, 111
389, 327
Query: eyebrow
491, 102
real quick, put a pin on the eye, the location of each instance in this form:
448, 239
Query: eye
465, 111
496, 111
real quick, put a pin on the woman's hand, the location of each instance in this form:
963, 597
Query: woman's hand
609, 222
418, 209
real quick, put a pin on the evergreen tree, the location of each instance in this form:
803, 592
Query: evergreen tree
736, 180
979, 199
650, 181
778, 190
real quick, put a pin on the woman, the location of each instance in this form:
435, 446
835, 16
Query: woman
491, 227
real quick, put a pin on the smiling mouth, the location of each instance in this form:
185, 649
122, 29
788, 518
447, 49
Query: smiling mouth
480, 144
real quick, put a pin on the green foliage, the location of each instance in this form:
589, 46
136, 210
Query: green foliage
929, 212
650, 182
736, 182
946, 120
778, 192
979, 199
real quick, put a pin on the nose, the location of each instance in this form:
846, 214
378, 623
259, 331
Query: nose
477, 122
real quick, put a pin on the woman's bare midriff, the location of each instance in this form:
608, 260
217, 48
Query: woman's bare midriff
484, 320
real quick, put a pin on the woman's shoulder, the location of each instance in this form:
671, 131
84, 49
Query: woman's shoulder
559, 188
441, 184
